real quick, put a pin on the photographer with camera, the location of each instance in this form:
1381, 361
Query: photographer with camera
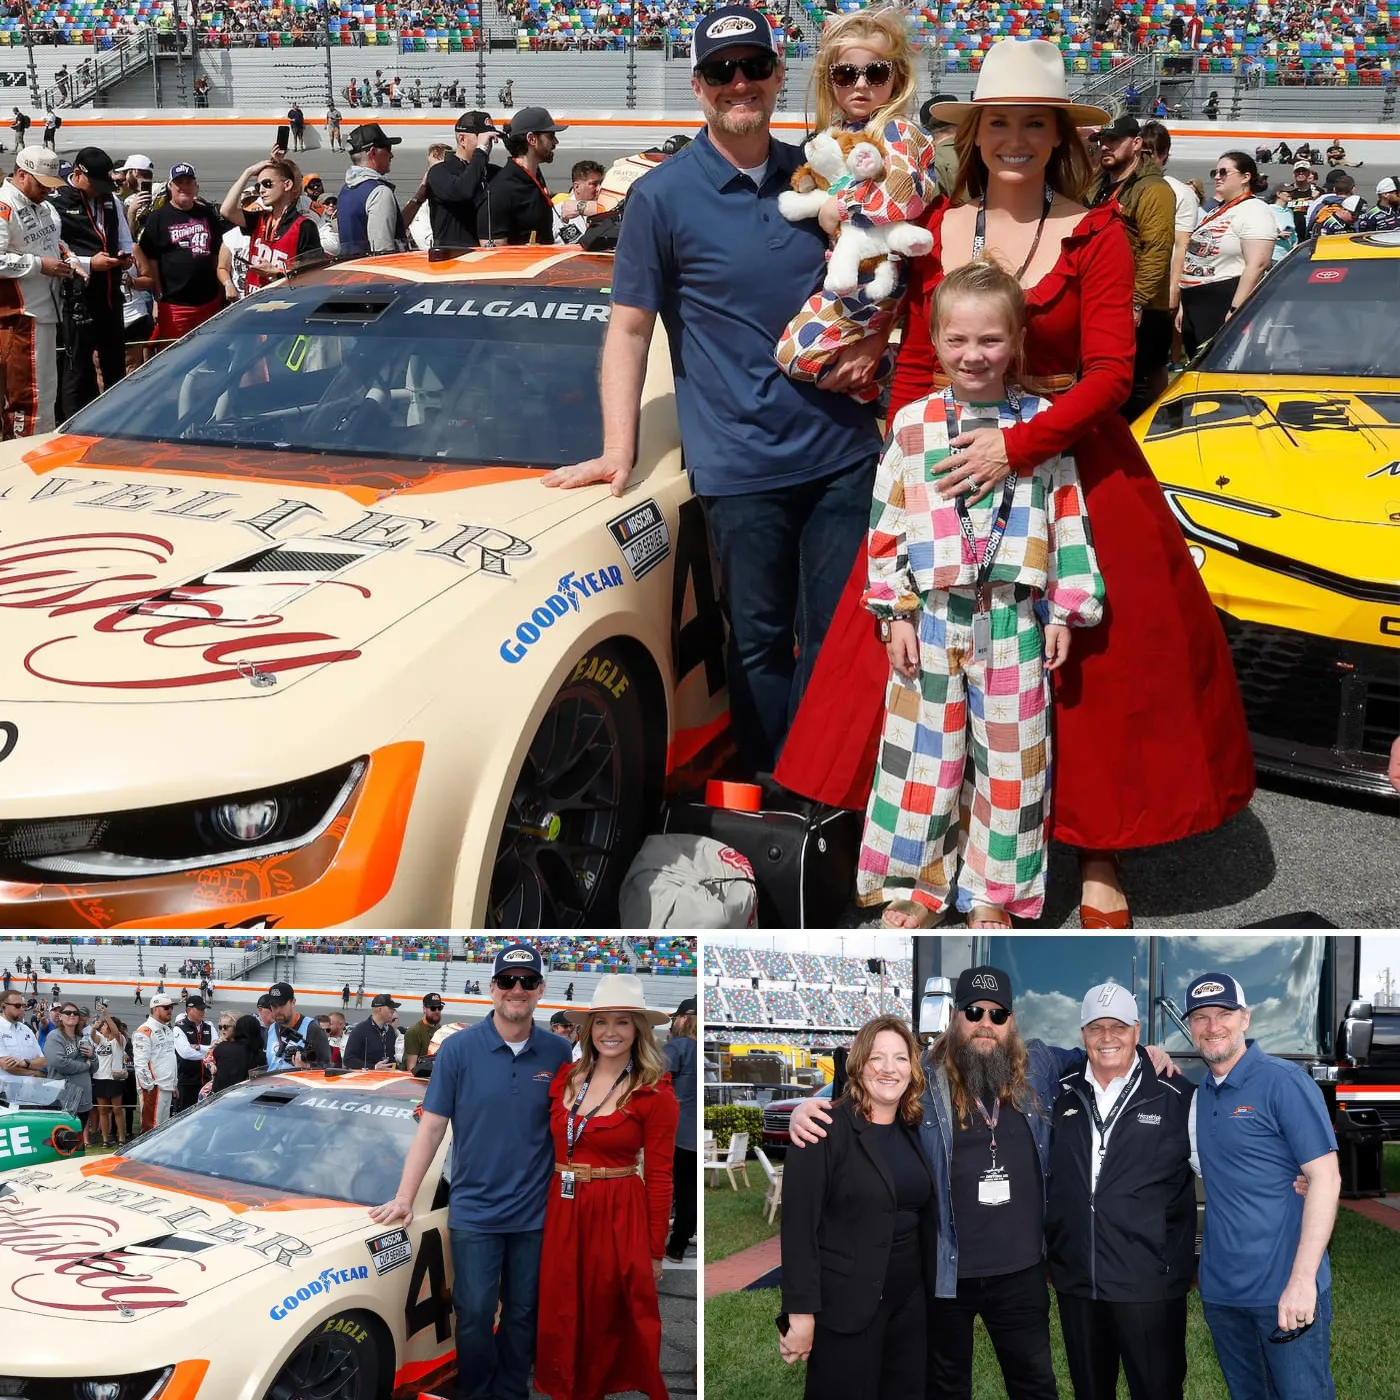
107, 1126
304, 1041
33, 264
95, 228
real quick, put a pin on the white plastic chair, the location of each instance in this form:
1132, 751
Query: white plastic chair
774, 1198
733, 1161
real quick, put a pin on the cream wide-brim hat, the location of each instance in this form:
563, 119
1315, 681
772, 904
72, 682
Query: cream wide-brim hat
1022, 73
619, 992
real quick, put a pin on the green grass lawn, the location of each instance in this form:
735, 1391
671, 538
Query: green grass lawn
734, 1219
741, 1342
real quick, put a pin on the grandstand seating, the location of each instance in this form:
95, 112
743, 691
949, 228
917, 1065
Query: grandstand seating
822, 1006
810, 968
587, 953
733, 962
855, 1007
777, 966
714, 1006
744, 1006
667, 956
849, 972
784, 1006
901, 971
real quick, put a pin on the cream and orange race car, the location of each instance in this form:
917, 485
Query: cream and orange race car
294, 636
230, 1255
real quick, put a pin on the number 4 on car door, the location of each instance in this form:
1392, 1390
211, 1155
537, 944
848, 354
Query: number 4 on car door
700, 639
435, 1309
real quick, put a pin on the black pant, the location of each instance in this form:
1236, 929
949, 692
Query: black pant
1154, 348
685, 1170
1149, 1339
1203, 311
1015, 1308
886, 1361
104, 339
186, 1096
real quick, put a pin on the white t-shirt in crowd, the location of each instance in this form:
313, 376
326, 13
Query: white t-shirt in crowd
1188, 207
420, 231
1216, 250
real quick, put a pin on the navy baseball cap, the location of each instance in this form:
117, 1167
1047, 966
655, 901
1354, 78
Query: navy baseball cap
1214, 989
518, 957
983, 984
732, 27
183, 170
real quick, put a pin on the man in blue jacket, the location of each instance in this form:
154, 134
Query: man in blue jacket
986, 1132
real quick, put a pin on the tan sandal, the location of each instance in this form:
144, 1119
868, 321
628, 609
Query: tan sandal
922, 915
992, 916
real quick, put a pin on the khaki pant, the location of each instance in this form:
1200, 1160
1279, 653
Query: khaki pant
29, 365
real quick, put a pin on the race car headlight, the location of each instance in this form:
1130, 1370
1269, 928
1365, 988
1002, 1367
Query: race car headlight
146, 1386
154, 841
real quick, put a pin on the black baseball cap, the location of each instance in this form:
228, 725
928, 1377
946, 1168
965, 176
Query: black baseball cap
686, 1008
926, 117
560, 1018
370, 135
280, 993
532, 119
732, 27
1120, 128
196, 1004
96, 164
264, 1002
518, 957
983, 984
384, 999
432, 1002
476, 122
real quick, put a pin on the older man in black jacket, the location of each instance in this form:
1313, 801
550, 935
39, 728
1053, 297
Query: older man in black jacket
1120, 1218
457, 183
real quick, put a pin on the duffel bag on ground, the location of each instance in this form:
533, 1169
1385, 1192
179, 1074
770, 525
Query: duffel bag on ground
688, 882
803, 854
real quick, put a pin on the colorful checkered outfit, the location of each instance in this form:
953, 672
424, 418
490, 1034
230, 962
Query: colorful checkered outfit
830, 322
922, 569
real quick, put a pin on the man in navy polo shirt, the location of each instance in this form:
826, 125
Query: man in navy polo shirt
1256, 1122
784, 471
491, 1081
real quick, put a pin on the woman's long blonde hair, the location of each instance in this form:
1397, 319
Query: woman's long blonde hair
880, 25
1068, 171
648, 1063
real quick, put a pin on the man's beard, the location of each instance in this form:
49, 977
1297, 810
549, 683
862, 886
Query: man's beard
986, 1073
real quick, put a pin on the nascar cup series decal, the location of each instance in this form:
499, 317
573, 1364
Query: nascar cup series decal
573, 590
388, 1252
328, 1280
642, 537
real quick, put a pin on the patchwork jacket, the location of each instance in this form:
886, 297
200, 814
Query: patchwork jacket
918, 547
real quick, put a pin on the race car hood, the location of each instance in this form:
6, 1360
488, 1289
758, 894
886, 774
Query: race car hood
119, 1247
1265, 451
124, 581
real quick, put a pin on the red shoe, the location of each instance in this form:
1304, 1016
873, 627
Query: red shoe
1089, 917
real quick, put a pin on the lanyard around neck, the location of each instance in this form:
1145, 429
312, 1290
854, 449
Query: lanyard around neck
573, 1134
979, 236
1105, 1125
1003, 516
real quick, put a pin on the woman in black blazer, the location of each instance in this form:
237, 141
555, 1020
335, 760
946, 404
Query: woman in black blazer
858, 1222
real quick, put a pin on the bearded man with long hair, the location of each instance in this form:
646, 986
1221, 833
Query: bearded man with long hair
986, 1115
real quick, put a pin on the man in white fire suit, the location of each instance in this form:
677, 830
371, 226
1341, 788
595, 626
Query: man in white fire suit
156, 1049
33, 261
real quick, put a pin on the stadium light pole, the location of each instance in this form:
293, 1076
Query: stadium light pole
29, 47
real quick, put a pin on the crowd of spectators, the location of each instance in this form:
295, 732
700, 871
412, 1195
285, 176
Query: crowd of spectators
670, 956
572, 953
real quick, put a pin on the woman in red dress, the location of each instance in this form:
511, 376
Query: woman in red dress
1150, 737
605, 1224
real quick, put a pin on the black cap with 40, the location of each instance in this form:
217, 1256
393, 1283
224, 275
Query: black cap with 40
983, 984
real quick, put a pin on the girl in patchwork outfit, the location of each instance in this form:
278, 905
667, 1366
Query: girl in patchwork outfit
865, 82
974, 602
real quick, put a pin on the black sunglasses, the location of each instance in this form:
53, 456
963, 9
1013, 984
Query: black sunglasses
998, 1014
719, 72
1222, 172
508, 981
877, 74
269, 184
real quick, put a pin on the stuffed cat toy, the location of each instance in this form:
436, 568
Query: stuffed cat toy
839, 159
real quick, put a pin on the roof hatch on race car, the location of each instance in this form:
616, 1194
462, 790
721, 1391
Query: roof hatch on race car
359, 309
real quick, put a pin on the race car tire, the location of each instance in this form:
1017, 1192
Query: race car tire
577, 811
338, 1361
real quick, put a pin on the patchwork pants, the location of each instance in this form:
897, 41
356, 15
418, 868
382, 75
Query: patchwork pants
923, 819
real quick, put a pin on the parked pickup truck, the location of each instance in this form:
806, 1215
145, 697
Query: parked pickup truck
778, 1114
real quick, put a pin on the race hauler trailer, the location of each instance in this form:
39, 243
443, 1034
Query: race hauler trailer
1303, 993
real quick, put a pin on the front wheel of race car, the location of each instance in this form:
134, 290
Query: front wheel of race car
338, 1361
579, 804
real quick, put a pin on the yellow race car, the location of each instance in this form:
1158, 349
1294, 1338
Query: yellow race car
294, 636
1279, 453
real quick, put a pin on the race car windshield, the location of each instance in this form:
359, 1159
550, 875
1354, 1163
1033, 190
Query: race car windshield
329, 1142
470, 375
1317, 318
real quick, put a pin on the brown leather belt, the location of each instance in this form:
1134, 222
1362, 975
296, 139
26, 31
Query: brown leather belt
1035, 383
583, 1172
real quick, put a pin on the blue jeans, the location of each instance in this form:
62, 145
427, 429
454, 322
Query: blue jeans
487, 1269
784, 557
1257, 1369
